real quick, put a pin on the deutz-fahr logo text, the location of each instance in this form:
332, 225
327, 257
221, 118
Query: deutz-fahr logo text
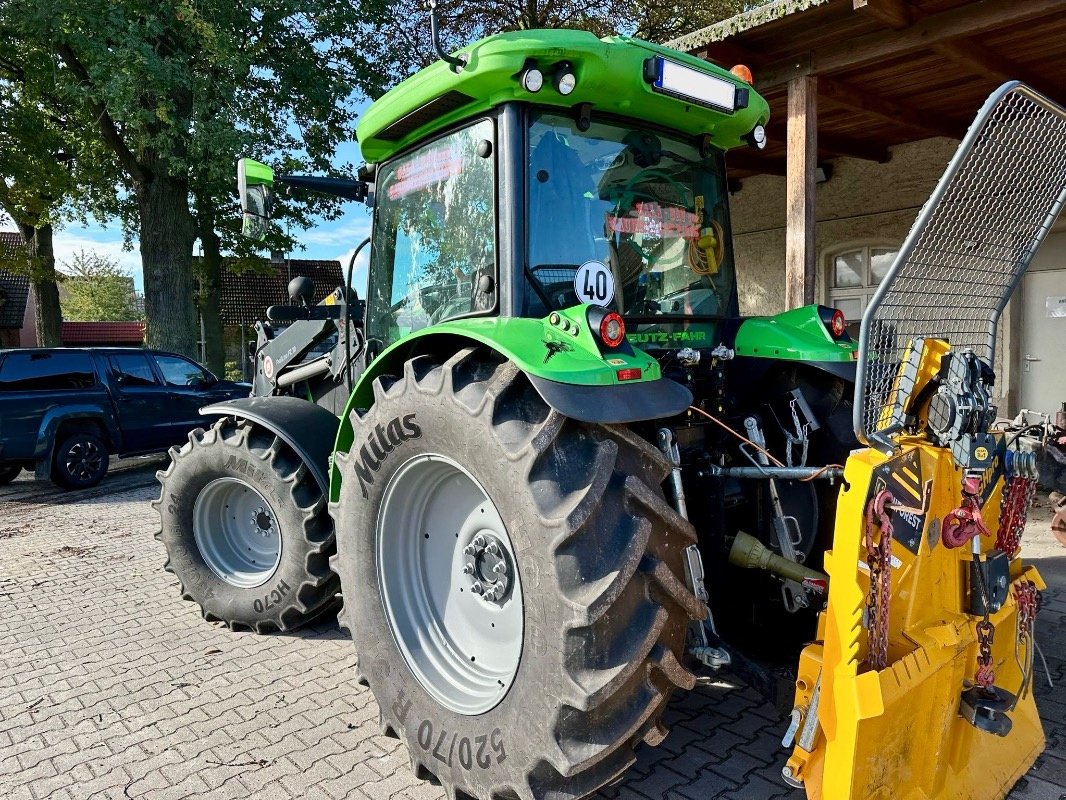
379, 443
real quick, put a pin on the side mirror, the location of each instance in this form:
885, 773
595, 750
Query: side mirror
255, 184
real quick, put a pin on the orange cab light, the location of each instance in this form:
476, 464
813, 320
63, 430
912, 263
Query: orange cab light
629, 374
743, 73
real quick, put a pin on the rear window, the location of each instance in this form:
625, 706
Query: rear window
34, 372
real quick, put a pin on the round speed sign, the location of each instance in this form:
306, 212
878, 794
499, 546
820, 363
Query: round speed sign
594, 283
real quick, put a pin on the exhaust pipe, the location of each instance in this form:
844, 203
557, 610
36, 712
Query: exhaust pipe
749, 553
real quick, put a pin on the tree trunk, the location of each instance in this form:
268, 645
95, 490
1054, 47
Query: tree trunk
48, 317
167, 232
211, 291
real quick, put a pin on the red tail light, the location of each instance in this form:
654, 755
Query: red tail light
838, 325
612, 330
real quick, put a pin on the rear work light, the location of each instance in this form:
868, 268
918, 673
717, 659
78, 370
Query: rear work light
612, 330
693, 85
629, 374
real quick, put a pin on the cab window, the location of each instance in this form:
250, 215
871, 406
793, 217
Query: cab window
434, 235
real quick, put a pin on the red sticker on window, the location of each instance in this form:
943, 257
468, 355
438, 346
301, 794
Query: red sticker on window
433, 166
652, 219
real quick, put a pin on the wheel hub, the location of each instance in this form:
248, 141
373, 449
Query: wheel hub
236, 532
487, 565
449, 583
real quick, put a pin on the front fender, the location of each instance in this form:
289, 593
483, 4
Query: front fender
308, 429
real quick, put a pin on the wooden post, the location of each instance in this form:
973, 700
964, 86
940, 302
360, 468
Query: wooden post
802, 155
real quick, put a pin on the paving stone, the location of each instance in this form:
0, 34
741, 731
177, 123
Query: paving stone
109, 689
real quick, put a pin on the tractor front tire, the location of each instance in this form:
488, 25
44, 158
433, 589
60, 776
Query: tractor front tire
513, 581
246, 529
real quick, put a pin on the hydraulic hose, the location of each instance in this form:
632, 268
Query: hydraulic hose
348, 312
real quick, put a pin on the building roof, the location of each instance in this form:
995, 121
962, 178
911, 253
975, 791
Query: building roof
103, 333
752, 18
887, 71
247, 295
14, 289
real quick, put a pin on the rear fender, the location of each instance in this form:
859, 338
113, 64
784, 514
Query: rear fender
305, 427
567, 370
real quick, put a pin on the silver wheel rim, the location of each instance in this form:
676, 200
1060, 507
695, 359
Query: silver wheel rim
456, 615
237, 532
83, 460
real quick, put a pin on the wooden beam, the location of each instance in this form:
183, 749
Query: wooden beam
895, 14
857, 98
971, 19
749, 161
836, 145
802, 146
979, 60
728, 54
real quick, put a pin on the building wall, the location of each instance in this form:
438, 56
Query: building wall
862, 203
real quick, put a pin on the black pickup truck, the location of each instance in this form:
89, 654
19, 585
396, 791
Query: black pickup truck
63, 411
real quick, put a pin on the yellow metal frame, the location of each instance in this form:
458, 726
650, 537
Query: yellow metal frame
897, 733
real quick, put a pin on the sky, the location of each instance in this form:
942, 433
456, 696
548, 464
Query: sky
328, 240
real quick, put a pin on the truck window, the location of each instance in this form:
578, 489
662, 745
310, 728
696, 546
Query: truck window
133, 369
54, 371
179, 372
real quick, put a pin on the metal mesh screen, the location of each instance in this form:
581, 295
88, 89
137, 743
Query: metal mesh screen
969, 247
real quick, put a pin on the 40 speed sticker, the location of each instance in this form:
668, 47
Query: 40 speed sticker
594, 283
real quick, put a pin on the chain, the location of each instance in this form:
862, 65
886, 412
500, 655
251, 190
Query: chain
965, 522
1017, 499
1029, 600
985, 675
879, 558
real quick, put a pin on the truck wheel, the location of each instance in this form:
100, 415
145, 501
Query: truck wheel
513, 581
8, 473
246, 529
80, 461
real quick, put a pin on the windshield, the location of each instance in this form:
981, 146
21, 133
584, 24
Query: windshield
645, 207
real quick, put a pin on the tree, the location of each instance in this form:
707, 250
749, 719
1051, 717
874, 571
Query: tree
401, 42
96, 288
43, 179
156, 82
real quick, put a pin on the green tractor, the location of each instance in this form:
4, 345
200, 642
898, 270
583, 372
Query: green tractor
559, 428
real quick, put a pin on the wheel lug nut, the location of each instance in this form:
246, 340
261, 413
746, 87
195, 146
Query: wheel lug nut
470, 549
478, 541
500, 567
477, 588
468, 569
493, 548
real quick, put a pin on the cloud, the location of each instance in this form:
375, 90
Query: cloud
105, 243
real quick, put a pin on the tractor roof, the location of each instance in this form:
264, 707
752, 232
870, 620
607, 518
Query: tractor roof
612, 75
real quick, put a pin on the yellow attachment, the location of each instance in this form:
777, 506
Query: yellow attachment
897, 733
920, 364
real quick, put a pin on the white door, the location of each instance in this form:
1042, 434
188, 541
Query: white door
1043, 350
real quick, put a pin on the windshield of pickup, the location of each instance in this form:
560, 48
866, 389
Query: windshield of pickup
645, 205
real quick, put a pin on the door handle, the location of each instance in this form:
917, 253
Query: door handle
1030, 358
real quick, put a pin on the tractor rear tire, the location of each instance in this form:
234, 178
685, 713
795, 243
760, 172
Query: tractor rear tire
462, 459
246, 529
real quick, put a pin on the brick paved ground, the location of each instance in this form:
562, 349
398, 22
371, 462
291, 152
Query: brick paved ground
111, 687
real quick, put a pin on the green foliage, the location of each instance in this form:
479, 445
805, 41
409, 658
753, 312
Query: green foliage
400, 40
232, 372
96, 288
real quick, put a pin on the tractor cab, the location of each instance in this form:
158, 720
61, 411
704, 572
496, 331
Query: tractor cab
548, 169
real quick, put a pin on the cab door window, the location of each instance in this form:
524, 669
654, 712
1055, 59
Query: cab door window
434, 235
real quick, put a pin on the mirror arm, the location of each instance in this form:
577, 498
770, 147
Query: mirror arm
346, 188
